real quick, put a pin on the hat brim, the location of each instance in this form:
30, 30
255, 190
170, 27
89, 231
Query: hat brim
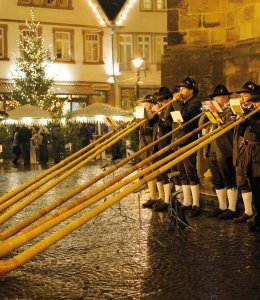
220, 94
162, 97
184, 85
244, 91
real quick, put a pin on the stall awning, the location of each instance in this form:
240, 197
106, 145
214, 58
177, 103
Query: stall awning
59, 89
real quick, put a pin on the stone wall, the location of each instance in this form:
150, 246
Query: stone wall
216, 41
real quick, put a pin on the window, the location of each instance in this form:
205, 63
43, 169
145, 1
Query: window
63, 45
92, 47
3, 41
47, 3
125, 51
146, 4
38, 2
144, 49
160, 46
160, 5
152, 5
99, 97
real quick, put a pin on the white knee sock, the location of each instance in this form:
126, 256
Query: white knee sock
195, 192
167, 192
160, 190
247, 199
222, 198
232, 199
152, 189
186, 195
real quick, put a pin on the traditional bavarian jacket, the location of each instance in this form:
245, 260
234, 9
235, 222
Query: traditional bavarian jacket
249, 151
222, 147
188, 110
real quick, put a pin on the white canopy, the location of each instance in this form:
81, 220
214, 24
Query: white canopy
28, 111
101, 109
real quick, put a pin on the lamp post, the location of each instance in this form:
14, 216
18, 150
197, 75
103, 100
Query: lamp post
137, 62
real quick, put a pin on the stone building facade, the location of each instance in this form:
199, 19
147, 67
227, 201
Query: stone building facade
216, 41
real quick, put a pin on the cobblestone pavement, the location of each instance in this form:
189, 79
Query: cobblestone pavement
128, 253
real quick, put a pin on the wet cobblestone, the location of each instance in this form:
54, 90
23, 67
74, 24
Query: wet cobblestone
122, 254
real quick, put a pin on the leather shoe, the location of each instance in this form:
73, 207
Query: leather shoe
217, 212
184, 207
149, 204
195, 211
228, 214
243, 218
161, 207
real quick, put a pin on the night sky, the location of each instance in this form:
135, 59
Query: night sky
112, 7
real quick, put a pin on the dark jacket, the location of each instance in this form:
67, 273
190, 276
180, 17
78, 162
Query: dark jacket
249, 152
222, 147
188, 110
24, 135
162, 124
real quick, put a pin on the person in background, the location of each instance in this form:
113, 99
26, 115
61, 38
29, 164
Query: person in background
58, 142
43, 145
16, 147
85, 135
33, 145
24, 136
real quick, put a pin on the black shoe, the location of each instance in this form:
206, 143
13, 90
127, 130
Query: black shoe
161, 207
184, 207
217, 212
243, 218
149, 204
195, 211
228, 214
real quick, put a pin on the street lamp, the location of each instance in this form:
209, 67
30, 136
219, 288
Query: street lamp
137, 62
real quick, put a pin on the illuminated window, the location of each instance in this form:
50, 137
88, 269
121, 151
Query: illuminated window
99, 97
47, 3
144, 49
147, 4
38, 2
125, 51
152, 5
92, 47
160, 5
3, 41
160, 46
63, 45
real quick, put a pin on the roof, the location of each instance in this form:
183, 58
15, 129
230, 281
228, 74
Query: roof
28, 111
72, 89
112, 7
96, 109
59, 88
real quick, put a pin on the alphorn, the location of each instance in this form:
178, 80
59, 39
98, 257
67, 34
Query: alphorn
156, 169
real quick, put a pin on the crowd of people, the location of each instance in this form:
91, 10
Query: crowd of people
31, 143
233, 158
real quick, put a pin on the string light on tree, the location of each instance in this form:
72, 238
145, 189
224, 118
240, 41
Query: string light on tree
31, 84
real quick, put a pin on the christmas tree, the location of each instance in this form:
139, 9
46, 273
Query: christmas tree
31, 84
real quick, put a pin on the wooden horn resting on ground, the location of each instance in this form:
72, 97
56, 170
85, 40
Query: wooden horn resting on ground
145, 175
